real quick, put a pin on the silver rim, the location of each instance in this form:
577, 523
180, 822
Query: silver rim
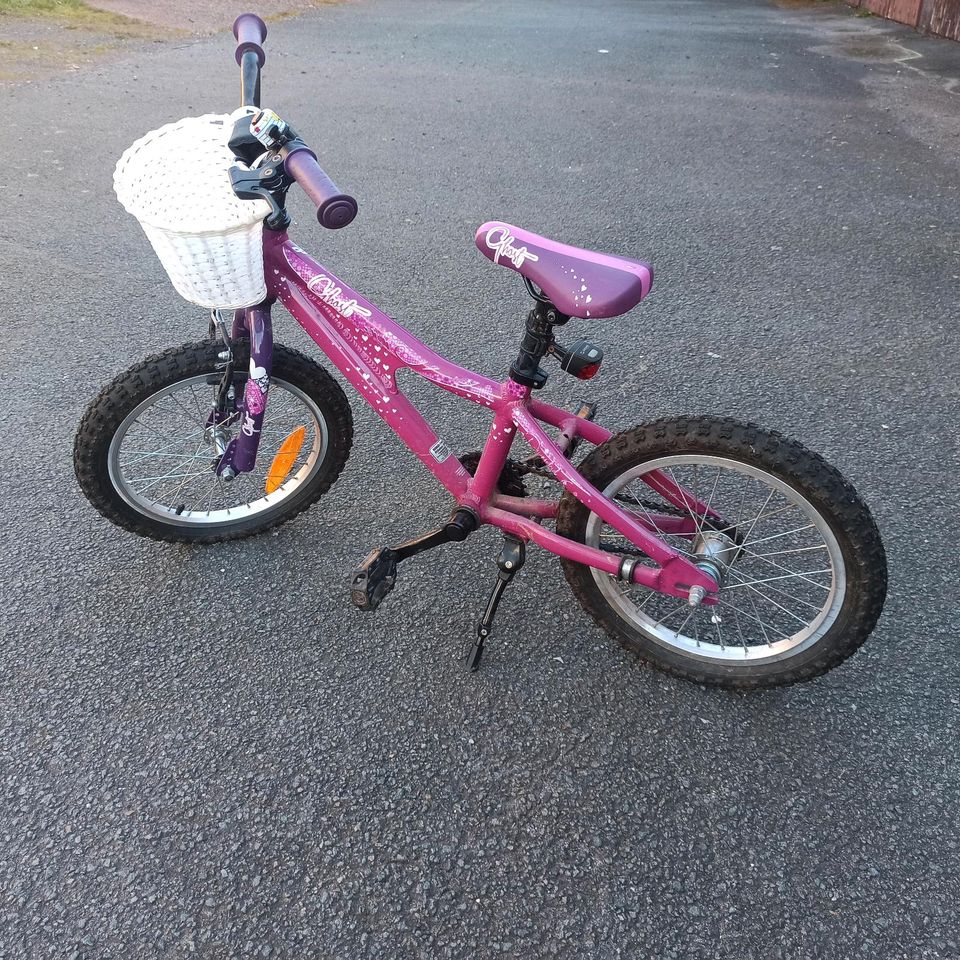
783, 583
162, 456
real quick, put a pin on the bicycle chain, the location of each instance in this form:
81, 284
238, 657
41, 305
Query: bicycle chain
511, 482
515, 470
538, 469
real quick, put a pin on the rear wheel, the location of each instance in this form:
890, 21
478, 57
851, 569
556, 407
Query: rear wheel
802, 568
145, 454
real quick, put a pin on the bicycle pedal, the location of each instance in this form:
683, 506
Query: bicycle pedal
373, 579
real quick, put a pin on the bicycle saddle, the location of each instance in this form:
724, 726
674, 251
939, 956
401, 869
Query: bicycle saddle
579, 283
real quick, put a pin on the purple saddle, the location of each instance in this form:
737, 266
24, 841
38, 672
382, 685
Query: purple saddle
579, 283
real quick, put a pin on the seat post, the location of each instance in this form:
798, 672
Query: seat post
537, 341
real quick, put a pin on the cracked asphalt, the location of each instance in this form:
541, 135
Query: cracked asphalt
210, 752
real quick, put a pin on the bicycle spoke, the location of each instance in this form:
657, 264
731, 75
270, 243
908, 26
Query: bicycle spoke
650, 595
726, 603
686, 504
777, 536
780, 553
762, 516
157, 480
743, 640
677, 609
686, 620
783, 593
788, 576
644, 509
743, 499
187, 413
179, 489
713, 493
760, 593
773, 563
763, 628
205, 506
168, 456
196, 403
156, 433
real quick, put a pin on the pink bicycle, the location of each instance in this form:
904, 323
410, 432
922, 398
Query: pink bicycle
714, 549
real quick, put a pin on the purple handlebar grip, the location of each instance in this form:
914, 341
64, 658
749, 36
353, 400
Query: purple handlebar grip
334, 209
250, 32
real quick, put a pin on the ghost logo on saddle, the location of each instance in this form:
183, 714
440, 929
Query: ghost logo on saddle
500, 241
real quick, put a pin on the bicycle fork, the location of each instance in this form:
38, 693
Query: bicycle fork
240, 453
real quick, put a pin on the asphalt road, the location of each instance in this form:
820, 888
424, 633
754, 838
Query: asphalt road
210, 751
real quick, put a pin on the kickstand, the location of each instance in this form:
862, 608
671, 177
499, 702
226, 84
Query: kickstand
509, 561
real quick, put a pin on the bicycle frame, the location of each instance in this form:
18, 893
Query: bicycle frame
368, 348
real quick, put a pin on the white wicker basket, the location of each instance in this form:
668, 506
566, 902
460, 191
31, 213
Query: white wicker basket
175, 182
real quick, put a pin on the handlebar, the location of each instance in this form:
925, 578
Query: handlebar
250, 32
334, 209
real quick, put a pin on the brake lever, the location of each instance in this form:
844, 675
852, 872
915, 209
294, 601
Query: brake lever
268, 182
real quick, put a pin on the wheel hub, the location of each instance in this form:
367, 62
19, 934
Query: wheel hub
714, 553
715, 548
218, 438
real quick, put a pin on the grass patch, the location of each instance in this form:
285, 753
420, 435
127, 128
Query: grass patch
49, 36
46, 8
35, 6
74, 13
276, 15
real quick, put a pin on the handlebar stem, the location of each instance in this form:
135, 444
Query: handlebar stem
249, 80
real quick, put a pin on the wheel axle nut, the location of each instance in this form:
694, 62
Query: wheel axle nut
696, 596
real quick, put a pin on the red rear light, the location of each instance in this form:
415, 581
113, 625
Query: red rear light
588, 372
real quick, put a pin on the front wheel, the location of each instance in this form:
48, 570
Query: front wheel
802, 568
145, 453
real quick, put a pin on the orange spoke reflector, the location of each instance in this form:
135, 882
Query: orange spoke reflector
285, 459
